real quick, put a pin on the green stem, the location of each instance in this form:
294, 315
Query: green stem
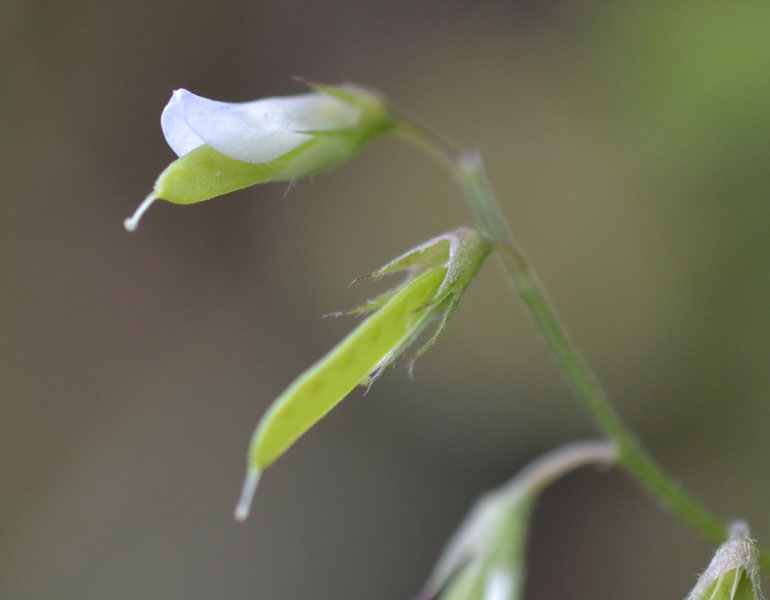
467, 168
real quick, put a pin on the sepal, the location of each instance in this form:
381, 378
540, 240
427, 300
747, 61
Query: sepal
733, 573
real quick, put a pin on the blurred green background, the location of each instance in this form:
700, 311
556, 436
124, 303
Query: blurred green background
629, 145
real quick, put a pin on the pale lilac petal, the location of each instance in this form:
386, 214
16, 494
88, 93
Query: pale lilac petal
178, 134
254, 132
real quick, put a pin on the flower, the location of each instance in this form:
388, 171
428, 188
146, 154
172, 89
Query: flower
224, 146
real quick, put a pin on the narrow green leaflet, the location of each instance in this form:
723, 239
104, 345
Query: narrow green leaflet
485, 558
733, 573
438, 271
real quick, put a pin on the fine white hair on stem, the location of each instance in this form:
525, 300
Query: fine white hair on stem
133, 221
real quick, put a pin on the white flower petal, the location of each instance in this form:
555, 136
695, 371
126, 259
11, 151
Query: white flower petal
254, 132
176, 130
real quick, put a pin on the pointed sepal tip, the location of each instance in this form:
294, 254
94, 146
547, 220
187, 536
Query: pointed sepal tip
132, 222
247, 494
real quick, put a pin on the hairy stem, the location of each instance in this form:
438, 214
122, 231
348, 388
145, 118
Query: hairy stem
468, 170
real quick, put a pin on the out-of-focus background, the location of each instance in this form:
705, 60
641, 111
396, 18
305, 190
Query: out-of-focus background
629, 144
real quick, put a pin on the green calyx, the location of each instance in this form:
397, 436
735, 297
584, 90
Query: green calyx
733, 573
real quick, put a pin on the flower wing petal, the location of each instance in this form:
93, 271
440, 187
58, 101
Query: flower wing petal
254, 132
178, 133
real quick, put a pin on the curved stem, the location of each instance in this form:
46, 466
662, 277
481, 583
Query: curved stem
467, 168
489, 521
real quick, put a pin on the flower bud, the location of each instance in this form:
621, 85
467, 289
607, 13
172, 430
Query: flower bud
224, 146
438, 273
733, 573
486, 556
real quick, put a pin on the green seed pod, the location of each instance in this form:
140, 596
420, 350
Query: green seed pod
438, 273
223, 146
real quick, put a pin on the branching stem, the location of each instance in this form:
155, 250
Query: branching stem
468, 170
